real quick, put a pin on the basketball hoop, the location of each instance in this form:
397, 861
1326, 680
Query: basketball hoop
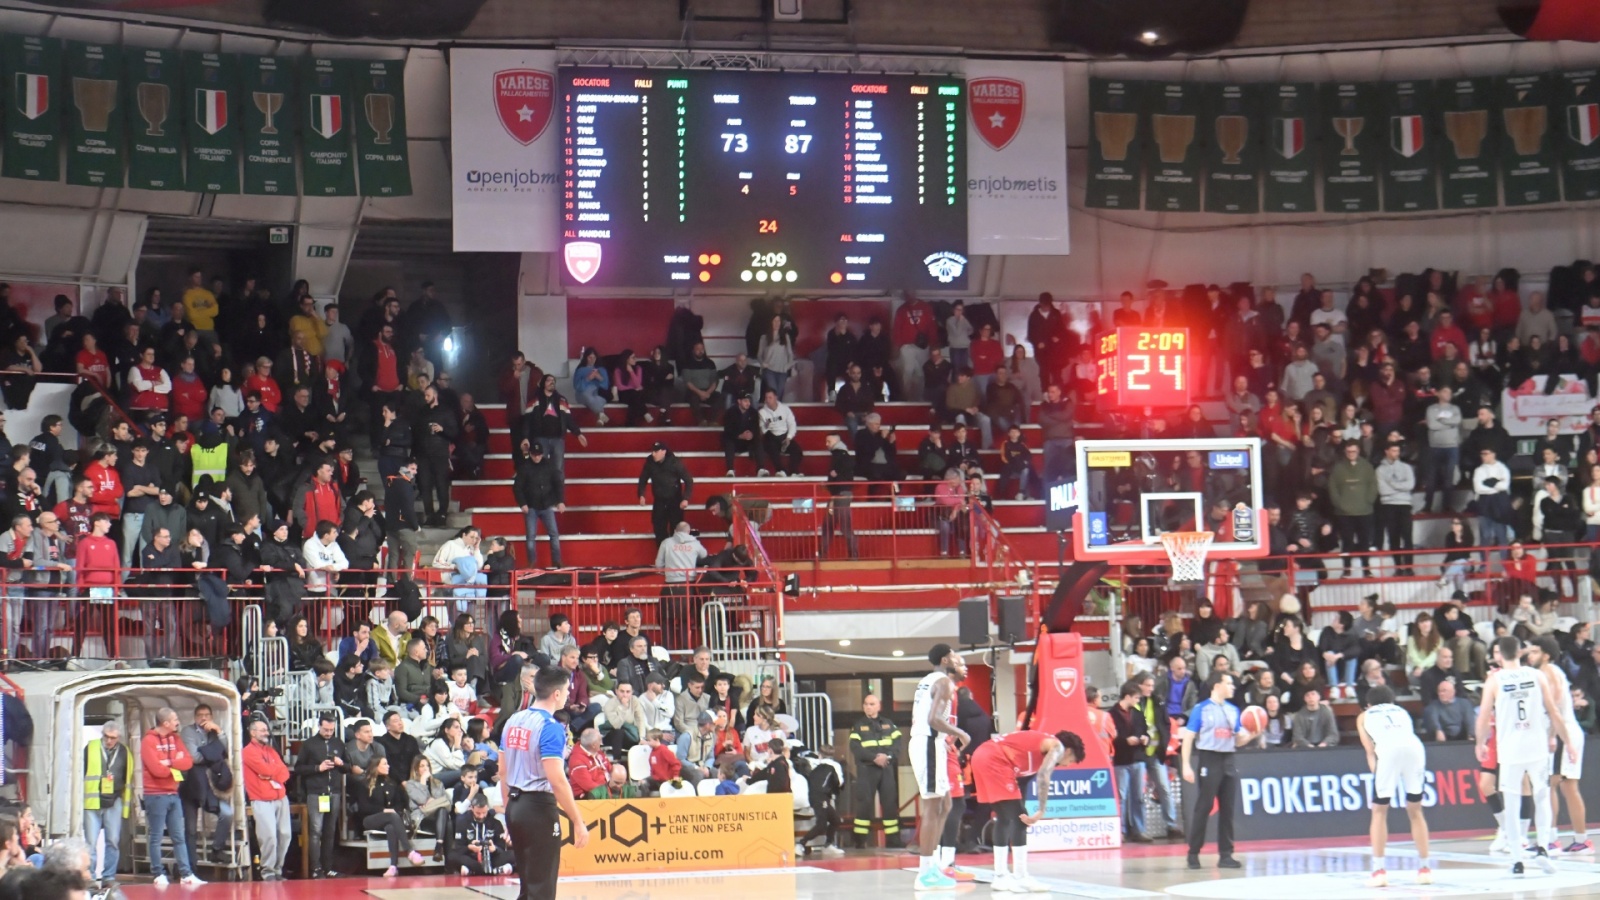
1186, 550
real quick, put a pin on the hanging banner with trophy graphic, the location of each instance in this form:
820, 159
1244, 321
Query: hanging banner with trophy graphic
1467, 154
34, 95
1351, 152
325, 129
1288, 178
1529, 164
381, 127
211, 81
1233, 155
1114, 151
152, 86
1173, 155
1410, 178
269, 104
1578, 101
94, 123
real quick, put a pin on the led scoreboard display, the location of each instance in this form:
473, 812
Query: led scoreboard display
739, 179
1144, 367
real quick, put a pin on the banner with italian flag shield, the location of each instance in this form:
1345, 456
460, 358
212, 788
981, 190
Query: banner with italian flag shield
33, 102
1578, 100
327, 163
211, 103
1410, 161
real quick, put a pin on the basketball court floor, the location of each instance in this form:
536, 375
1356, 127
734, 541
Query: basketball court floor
1283, 870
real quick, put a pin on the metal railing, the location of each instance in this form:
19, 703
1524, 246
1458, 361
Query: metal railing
807, 521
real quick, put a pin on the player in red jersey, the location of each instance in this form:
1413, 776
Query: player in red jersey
998, 768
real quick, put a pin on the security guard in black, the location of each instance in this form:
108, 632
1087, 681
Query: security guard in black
875, 742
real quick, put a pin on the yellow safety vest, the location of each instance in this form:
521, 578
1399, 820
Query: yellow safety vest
213, 462
93, 776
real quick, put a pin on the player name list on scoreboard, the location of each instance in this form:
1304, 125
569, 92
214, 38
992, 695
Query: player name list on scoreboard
737, 179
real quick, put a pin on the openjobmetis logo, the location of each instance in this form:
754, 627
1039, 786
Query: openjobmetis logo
1066, 680
998, 105
524, 98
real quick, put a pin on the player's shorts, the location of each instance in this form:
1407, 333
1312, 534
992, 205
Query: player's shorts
1559, 764
1491, 762
930, 765
1511, 775
957, 788
993, 778
1400, 768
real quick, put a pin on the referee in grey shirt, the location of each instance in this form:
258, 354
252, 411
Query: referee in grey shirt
534, 744
1215, 732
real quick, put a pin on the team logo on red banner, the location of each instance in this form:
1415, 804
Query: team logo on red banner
1066, 680
583, 260
998, 105
525, 99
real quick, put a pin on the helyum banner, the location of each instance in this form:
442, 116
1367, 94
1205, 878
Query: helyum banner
505, 182
1017, 158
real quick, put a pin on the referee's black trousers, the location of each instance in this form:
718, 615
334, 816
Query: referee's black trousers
534, 822
1216, 780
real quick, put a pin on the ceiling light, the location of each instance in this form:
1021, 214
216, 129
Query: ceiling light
845, 642
1149, 38
899, 653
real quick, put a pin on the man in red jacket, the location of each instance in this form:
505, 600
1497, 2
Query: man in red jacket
107, 483
264, 778
164, 762
323, 502
588, 767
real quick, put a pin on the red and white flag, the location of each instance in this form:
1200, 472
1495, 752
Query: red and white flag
211, 110
327, 114
1406, 135
33, 94
1583, 122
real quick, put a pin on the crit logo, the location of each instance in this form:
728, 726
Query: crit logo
998, 105
583, 260
945, 266
1065, 679
524, 98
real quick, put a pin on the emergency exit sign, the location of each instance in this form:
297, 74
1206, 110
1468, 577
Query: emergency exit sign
319, 251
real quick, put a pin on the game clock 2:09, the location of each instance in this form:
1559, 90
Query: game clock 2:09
706, 178
1140, 367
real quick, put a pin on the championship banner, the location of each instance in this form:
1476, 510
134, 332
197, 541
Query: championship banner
1351, 145
505, 186
381, 127
1529, 164
1524, 410
1578, 101
1233, 150
34, 96
1306, 794
268, 113
1083, 805
152, 90
681, 834
1016, 158
1114, 151
94, 133
1468, 154
325, 123
1409, 182
1172, 170
211, 83
1289, 180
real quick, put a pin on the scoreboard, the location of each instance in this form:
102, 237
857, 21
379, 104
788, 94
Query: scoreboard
745, 180
1137, 366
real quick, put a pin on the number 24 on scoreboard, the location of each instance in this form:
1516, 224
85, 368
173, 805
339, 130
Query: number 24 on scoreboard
1144, 367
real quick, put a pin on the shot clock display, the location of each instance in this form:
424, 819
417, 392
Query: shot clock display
1144, 367
738, 179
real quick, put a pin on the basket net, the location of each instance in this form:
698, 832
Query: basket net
1186, 550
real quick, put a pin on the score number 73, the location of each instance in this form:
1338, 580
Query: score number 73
738, 142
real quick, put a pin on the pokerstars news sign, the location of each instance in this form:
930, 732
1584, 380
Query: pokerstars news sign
505, 180
1016, 158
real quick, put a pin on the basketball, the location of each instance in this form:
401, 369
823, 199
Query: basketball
1254, 719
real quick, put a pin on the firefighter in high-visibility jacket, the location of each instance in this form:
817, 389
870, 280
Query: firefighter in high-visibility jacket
875, 743
107, 795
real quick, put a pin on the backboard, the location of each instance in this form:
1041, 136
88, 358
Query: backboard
1131, 492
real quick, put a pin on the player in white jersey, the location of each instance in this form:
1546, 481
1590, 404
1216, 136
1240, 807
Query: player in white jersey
1397, 761
1521, 706
931, 720
1565, 773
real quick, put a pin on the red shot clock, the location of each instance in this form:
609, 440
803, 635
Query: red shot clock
1136, 366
